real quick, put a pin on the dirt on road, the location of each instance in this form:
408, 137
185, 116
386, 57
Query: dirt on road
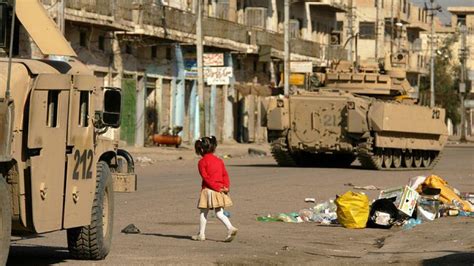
164, 208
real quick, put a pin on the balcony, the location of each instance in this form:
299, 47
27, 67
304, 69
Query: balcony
179, 25
329, 5
116, 14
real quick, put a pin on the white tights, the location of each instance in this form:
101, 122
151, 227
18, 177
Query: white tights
219, 214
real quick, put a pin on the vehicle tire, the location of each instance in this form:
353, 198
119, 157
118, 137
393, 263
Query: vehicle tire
6, 220
93, 242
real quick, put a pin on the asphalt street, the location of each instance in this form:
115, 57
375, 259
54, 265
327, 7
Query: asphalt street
164, 209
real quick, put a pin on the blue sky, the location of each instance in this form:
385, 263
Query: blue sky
445, 15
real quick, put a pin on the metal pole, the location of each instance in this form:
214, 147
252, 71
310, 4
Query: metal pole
391, 28
199, 53
376, 53
350, 31
60, 16
432, 59
463, 81
10, 53
287, 48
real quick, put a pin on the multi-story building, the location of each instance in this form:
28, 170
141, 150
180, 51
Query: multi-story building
386, 27
147, 48
463, 16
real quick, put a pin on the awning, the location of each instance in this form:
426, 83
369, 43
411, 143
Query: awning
42, 28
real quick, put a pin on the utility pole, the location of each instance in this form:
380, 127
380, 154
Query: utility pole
287, 57
199, 53
391, 27
60, 16
377, 6
350, 31
432, 11
462, 85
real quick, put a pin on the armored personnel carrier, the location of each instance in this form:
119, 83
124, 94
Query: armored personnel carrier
367, 114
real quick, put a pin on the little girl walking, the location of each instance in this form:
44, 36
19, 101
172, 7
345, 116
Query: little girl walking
215, 188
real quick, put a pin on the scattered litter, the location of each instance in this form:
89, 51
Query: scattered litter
369, 187
227, 156
448, 194
383, 214
180, 158
405, 198
411, 223
424, 199
131, 229
468, 196
285, 248
143, 160
353, 210
256, 152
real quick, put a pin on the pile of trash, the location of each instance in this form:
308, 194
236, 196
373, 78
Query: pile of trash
424, 199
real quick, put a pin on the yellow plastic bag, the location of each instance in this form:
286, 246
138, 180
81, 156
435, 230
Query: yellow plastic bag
447, 195
353, 210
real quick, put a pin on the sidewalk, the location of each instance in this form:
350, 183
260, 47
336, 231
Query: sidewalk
149, 155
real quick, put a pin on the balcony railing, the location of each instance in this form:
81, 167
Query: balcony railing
185, 22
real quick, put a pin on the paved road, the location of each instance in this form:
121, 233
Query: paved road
164, 210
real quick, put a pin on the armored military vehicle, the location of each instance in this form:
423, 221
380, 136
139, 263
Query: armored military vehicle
56, 164
366, 114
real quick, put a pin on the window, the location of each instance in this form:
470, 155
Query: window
101, 42
339, 25
461, 20
153, 52
3, 24
128, 49
52, 113
168, 53
84, 109
83, 38
367, 30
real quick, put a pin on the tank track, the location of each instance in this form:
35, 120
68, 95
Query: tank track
281, 153
369, 160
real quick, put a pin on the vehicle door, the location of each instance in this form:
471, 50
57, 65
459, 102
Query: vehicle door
81, 161
46, 147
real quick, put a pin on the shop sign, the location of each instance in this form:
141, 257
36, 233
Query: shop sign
218, 75
212, 59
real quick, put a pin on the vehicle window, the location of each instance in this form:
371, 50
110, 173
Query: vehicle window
84, 109
52, 114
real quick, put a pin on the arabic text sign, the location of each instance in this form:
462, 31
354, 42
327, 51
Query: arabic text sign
210, 59
218, 75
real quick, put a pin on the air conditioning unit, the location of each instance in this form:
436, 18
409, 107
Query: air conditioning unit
335, 38
256, 17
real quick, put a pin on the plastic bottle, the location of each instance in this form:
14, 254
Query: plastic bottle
411, 223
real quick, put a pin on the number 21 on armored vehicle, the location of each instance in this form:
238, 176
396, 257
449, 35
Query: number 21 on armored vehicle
56, 165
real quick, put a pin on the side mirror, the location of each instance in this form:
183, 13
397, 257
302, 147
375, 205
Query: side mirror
112, 107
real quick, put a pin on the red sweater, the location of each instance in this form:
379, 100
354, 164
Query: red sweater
213, 172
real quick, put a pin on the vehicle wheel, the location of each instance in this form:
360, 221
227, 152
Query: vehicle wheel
387, 158
93, 242
426, 158
378, 157
6, 220
397, 158
408, 159
417, 158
